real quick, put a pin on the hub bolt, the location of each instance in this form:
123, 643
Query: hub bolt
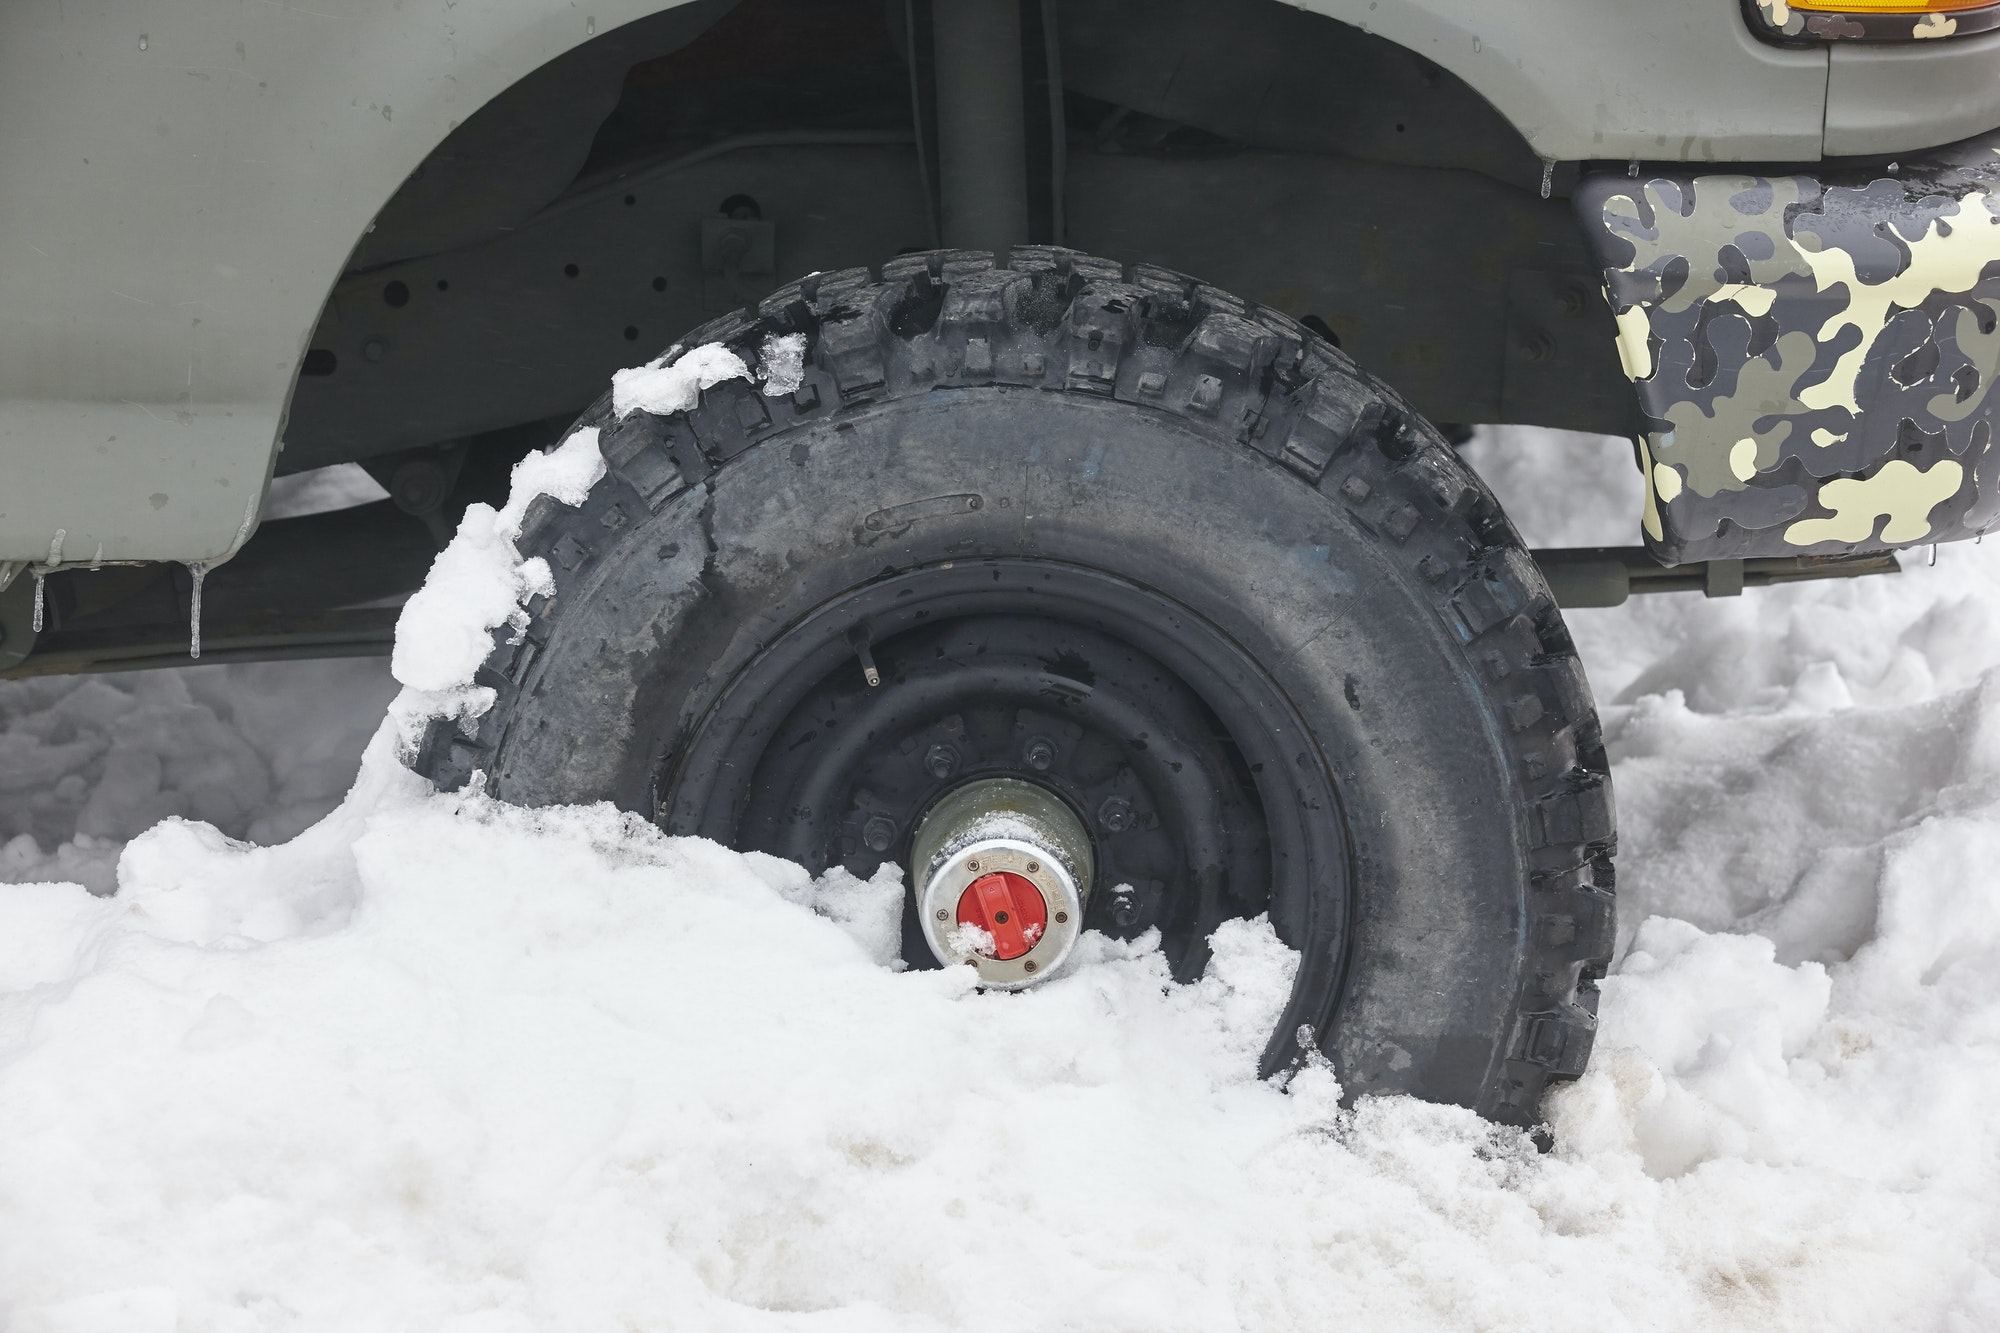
1062, 918
1040, 754
941, 761
879, 833
1115, 814
943, 915
1028, 966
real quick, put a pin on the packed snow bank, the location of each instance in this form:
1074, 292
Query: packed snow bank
259, 751
440, 1063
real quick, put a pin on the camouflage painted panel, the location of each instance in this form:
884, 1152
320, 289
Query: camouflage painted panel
1777, 21
1814, 357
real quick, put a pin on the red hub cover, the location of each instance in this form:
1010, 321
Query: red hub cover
1008, 907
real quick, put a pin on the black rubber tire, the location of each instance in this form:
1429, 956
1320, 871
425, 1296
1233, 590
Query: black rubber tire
1138, 423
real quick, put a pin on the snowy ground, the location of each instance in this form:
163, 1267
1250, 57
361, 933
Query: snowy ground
436, 1064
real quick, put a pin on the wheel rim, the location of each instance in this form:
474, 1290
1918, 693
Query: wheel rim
1204, 796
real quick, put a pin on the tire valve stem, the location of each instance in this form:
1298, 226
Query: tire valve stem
858, 638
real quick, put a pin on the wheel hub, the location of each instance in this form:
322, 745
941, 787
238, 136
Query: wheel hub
1002, 871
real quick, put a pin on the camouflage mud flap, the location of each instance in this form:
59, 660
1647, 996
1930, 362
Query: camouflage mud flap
1814, 357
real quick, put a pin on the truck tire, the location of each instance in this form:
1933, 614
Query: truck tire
1154, 548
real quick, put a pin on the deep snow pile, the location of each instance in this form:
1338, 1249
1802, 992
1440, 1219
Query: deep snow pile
440, 1064
260, 752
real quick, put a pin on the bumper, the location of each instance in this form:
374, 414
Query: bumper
1814, 354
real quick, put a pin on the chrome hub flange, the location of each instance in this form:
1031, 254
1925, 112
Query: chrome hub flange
1003, 871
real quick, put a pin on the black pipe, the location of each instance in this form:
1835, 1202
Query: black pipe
982, 132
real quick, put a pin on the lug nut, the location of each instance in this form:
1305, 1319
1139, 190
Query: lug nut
1028, 966
1124, 908
943, 915
879, 833
1062, 918
941, 761
1033, 866
1115, 814
1040, 754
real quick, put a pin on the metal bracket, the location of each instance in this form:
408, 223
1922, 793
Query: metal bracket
1606, 575
738, 245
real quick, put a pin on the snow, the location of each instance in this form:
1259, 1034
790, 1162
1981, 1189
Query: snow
782, 363
673, 382
89, 762
426, 1061
479, 583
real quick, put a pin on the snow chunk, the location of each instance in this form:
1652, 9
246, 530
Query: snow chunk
566, 472
782, 364
1702, 1033
663, 389
480, 582
673, 383
869, 910
964, 940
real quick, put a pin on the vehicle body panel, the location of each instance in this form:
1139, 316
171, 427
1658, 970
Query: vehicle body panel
1675, 80
1893, 98
1815, 356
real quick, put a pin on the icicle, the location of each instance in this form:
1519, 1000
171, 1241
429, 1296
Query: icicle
200, 572
97, 559
1632, 169
1548, 175
1933, 555
42, 571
